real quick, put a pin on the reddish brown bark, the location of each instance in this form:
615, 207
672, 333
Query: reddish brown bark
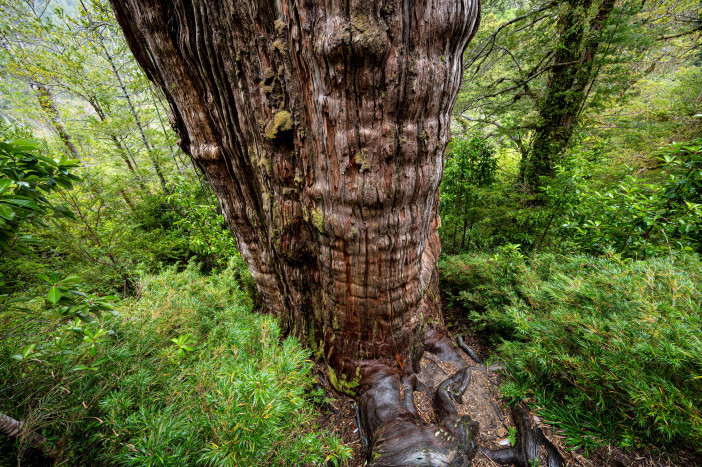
321, 127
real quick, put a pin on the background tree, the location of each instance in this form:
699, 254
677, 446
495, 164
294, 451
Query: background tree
470, 167
537, 66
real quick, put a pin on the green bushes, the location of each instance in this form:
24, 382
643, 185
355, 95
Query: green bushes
470, 169
605, 349
184, 375
594, 205
26, 176
635, 216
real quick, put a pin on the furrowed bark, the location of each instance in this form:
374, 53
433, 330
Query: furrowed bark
321, 127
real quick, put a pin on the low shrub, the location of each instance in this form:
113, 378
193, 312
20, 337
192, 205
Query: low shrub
184, 375
607, 350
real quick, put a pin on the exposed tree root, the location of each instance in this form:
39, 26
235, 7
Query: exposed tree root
529, 439
397, 434
16, 429
463, 346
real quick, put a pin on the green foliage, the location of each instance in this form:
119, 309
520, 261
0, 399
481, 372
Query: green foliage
469, 169
636, 216
512, 435
607, 350
184, 375
203, 225
26, 177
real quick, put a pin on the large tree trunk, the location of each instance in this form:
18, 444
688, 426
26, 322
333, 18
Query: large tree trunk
574, 69
321, 127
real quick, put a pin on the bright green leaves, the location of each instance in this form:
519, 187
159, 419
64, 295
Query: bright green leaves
188, 362
26, 351
471, 166
637, 217
54, 295
66, 300
4, 184
182, 345
608, 350
26, 176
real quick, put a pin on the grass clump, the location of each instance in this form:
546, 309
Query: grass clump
608, 351
184, 375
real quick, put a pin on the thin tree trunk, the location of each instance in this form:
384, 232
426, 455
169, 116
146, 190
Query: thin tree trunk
46, 102
465, 228
137, 121
121, 150
127, 200
321, 127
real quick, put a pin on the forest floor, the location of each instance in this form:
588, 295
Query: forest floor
482, 401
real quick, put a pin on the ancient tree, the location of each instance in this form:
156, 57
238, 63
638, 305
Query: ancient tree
321, 126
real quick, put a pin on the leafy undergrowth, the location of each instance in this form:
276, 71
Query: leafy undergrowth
184, 375
609, 351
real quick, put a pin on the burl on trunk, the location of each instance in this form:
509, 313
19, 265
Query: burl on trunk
321, 126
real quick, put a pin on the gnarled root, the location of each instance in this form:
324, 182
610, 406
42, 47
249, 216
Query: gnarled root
397, 434
529, 439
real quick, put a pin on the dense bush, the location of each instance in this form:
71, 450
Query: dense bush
638, 215
594, 205
27, 175
184, 375
607, 350
480, 207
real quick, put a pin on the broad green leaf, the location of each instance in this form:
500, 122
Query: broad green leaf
6, 212
54, 295
25, 202
27, 350
4, 184
24, 145
45, 278
70, 280
47, 160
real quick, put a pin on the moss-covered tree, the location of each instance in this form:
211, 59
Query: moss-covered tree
580, 28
